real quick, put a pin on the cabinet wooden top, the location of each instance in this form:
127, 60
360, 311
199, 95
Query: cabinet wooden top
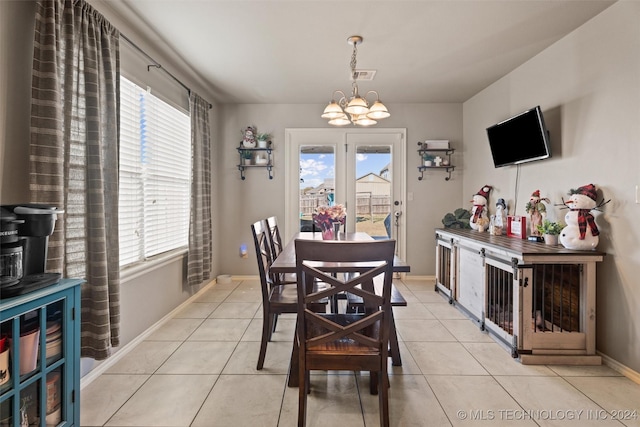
521, 247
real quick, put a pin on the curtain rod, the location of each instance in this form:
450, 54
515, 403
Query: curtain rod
157, 65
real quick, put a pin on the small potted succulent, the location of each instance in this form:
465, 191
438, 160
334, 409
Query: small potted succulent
263, 140
428, 159
246, 157
550, 230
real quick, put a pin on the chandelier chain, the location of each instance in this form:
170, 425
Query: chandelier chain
354, 61
354, 83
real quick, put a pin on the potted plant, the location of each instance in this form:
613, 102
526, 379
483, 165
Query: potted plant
428, 159
263, 140
458, 219
246, 157
550, 231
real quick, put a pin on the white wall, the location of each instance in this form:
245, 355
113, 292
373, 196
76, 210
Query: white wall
257, 197
588, 85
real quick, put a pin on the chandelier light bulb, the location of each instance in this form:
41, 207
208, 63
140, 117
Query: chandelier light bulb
365, 121
378, 111
357, 105
332, 111
340, 121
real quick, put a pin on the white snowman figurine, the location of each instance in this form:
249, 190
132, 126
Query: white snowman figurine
479, 216
249, 137
581, 232
500, 222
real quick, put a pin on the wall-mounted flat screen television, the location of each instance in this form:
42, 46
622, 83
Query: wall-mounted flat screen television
521, 138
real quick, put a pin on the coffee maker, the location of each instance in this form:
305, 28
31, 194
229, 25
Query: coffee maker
24, 234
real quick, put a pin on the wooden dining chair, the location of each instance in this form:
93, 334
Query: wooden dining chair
344, 341
277, 298
276, 246
274, 236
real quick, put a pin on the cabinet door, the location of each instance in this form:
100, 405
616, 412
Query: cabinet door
446, 268
39, 371
470, 293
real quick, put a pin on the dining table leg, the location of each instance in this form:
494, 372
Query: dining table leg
294, 363
394, 347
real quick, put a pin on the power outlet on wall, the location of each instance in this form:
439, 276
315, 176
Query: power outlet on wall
243, 251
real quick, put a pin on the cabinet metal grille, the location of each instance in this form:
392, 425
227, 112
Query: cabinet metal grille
444, 267
556, 297
500, 297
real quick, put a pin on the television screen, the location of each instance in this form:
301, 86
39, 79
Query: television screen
521, 138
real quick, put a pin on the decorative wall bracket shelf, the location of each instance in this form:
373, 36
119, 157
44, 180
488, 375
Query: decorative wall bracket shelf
255, 158
424, 150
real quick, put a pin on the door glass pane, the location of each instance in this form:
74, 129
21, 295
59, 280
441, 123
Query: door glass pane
373, 190
317, 181
54, 331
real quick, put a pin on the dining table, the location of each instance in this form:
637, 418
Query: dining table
285, 263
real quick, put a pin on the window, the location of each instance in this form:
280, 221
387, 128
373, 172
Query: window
155, 175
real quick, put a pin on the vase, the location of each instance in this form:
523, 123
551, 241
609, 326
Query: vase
327, 233
336, 230
551, 239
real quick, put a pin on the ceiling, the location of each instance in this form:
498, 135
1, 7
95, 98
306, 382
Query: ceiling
296, 51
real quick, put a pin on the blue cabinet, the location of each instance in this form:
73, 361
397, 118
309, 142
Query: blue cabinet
40, 357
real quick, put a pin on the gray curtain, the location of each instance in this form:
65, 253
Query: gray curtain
74, 157
199, 256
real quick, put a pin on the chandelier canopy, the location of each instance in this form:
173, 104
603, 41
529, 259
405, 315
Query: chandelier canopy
355, 109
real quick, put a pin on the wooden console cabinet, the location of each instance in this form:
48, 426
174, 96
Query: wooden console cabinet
539, 300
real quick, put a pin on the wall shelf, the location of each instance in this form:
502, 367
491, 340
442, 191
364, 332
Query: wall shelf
254, 158
438, 151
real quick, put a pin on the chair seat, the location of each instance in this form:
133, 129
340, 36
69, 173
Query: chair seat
286, 279
355, 304
284, 298
344, 345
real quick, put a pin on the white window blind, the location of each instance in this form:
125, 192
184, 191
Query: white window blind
155, 175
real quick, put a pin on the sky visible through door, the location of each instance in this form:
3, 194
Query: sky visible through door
316, 167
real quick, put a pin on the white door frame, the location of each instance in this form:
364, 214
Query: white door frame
340, 137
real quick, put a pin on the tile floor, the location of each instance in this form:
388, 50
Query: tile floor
198, 369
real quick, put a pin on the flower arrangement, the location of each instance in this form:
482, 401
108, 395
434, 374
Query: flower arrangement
325, 216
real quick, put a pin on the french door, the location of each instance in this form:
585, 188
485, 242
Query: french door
362, 169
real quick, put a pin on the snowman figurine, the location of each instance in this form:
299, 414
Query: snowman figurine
536, 210
479, 216
581, 232
500, 221
249, 137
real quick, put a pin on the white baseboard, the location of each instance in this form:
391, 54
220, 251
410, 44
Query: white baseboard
413, 277
124, 350
619, 367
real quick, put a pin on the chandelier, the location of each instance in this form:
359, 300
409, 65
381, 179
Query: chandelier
355, 109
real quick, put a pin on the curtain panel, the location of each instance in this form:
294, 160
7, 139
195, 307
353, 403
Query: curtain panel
200, 247
74, 157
